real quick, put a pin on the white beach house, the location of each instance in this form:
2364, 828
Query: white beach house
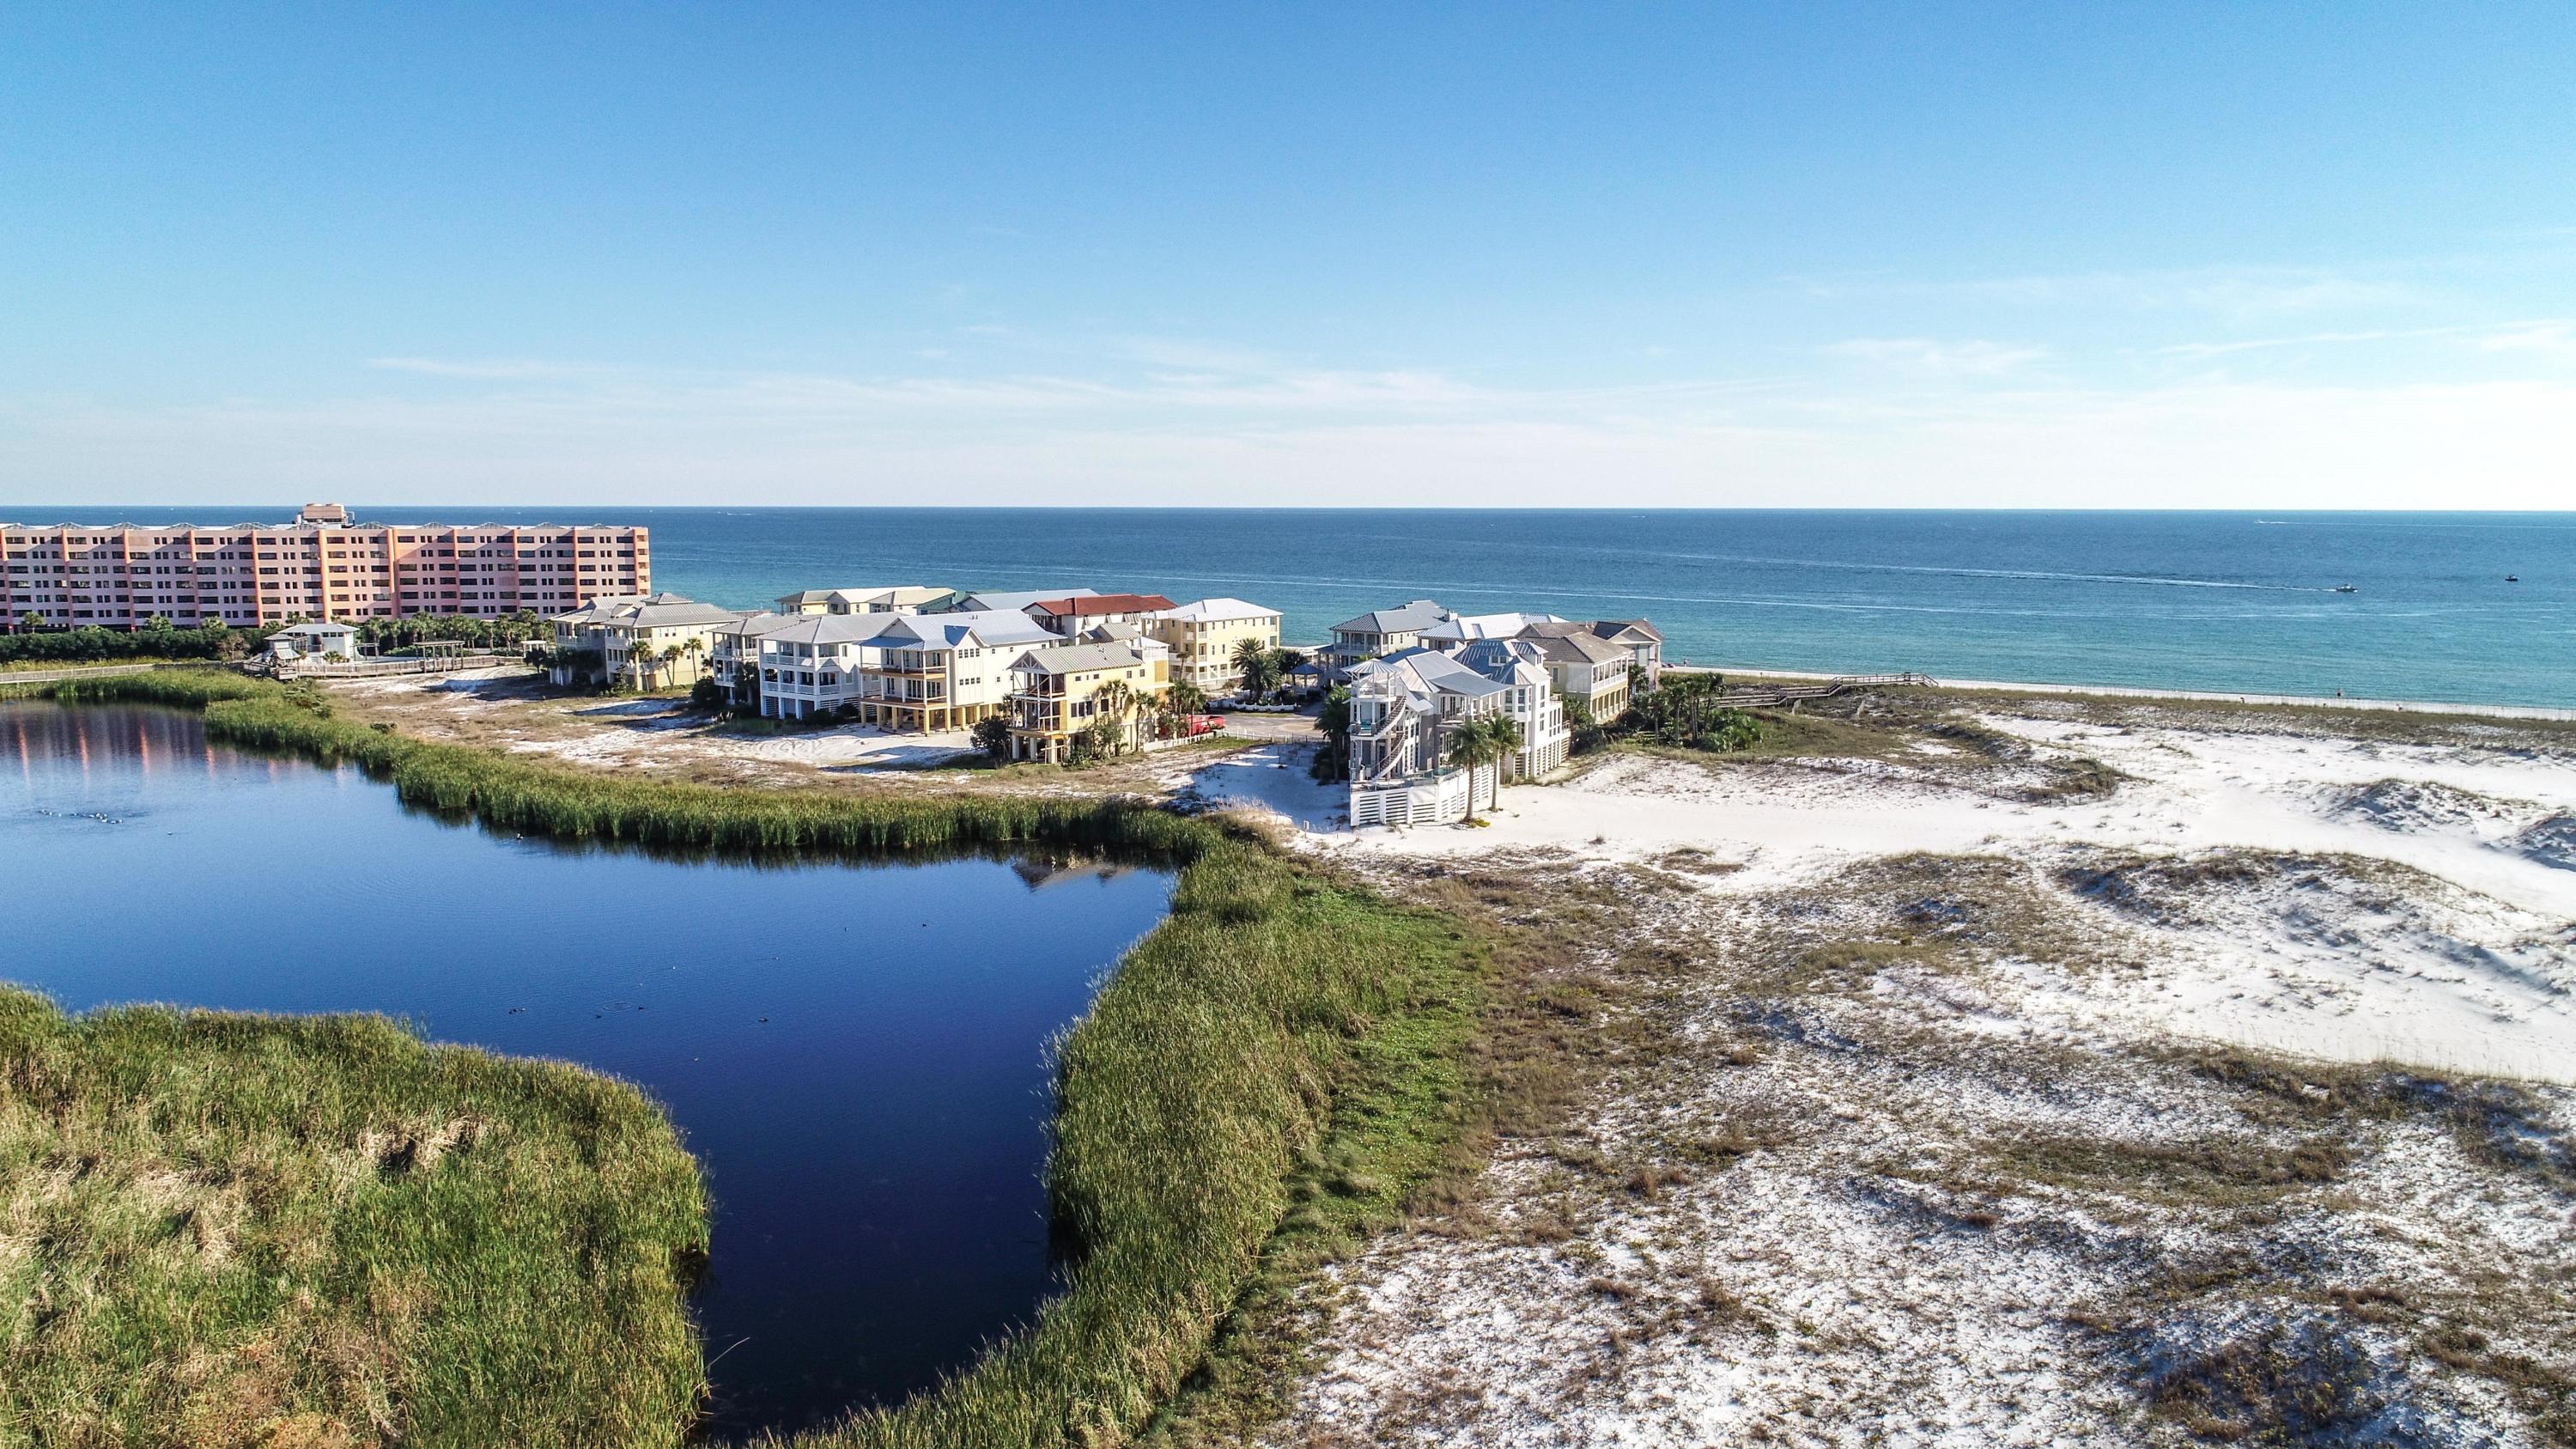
733, 656
1406, 707
1378, 633
895, 599
916, 672
646, 642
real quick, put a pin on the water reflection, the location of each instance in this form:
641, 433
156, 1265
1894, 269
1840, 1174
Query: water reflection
855, 1053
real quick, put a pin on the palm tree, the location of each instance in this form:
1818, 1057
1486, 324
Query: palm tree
1504, 733
1117, 698
1185, 698
1253, 662
1471, 747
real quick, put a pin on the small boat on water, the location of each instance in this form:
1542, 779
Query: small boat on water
2513, 578
2346, 589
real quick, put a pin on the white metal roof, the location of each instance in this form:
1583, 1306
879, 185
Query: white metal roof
1215, 611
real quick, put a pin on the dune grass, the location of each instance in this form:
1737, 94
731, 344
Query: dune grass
1281, 1055
221, 1229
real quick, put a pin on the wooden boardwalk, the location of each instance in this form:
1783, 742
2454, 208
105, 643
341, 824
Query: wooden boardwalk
384, 667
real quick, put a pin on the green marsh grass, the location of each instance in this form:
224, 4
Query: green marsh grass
1279, 1062
221, 1229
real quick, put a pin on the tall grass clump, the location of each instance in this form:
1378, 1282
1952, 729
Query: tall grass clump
178, 688
222, 1229
1276, 1019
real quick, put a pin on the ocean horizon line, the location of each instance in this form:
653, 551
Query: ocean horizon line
1327, 508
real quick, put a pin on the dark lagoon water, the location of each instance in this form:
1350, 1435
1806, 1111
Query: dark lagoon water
2218, 601
856, 1055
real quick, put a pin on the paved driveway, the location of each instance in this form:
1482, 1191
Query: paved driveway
1245, 725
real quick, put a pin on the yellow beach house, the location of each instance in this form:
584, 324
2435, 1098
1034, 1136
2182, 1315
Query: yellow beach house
1203, 635
1058, 693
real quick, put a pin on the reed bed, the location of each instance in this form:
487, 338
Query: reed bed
1275, 1020
221, 1229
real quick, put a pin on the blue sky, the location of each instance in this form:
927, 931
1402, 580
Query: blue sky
2284, 255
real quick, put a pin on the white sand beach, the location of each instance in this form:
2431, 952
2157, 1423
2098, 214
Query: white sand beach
1985, 1177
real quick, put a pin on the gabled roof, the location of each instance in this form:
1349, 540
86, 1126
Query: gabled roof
1574, 643
1486, 626
1216, 611
1512, 661
832, 628
1612, 629
598, 609
654, 611
1015, 599
896, 596
758, 626
1428, 670
950, 631
1085, 606
1079, 659
664, 611
314, 628
1410, 618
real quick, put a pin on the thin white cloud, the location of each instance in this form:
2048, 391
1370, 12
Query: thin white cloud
2536, 336
1939, 359
2553, 340
791, 440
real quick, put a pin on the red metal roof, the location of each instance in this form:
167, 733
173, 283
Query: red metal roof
1089, 604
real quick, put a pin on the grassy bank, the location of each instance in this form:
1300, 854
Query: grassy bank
1280, 1055
233, 1230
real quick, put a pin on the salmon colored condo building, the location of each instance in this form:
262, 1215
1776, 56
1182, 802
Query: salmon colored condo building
322, 566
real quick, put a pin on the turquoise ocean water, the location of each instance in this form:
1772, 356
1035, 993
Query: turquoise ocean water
2218, 601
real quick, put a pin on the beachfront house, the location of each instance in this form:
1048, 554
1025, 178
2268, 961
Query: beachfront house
1530, 698
1589, 661
1063, 690
911, 672
1204, 634
1408, 706
1405, 708
1376, 634
900, 599
650, 641
1643, 641
319, 639
815, 664
733, 657
1586, 666
991, 600
1458, 629
1070, 614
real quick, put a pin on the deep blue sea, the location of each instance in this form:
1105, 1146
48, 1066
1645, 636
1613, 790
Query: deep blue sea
2218, 601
